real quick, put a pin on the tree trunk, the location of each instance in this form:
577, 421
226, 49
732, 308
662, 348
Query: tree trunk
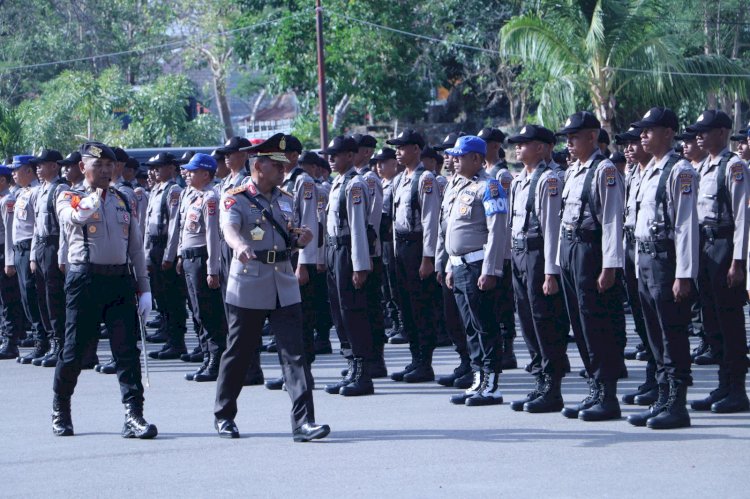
257, 103
220, 92
339, 112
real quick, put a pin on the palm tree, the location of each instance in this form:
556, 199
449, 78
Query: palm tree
607, 50
11, 131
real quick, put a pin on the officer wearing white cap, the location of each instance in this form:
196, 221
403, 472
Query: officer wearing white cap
666, 233
348, 261
200, 262
474, 237
416, 203
535, 203
106, 269
258, 225
722, 214
590, 257
11, 313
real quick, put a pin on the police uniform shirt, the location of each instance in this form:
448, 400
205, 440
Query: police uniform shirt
547, 203
632, 186
708, 200
375, 197
355, 223
7, 203
232, 181
426, 214
323, 189
112, 235
441, 258
171, 228
681, 196
555, 167
41, 215
255, 284
62, 255
505, 178
305, 208
477, 219
23, 213
199, 225
442, 184
608, 195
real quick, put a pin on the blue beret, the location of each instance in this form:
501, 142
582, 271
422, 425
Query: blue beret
201, 161
19, 161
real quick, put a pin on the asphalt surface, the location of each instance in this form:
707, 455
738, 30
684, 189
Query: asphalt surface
405, 441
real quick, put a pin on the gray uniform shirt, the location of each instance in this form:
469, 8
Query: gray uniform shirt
305, 208
441, 258
632, 185
375, 197
608, 194
23, 213
7, 204
355, 222
44, 224
681, 196
547, 203
113, 236
171, 227
708, 200
324, 189
426, 215
257, 285
199, 225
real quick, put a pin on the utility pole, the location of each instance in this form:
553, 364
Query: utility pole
323, 109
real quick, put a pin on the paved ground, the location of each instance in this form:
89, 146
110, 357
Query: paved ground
406, 441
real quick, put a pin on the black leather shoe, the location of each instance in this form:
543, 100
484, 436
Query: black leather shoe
717, 394
158, 337
27, 342
712, 356
272, 347
191, 376
422, 374
644, 356
226, 428
465, 381
630, 354
154, 323
135, 426
462, 369
398, 339
275, 383
50, 360
109, 368
517, 405
172, 352
736, 400
62, 423
649, 390
311, 431
195, 356
674, 414
550, 399
211, 373
399, 375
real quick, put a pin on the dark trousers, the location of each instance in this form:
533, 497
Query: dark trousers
169, 291
323, 320
480, 322
207, 305
11, 310
243, 340
390, 291
415, 299
307, 292
723, 318
373, 290
631, 288
27, 282
453, 322
666, 320
51, 286
504, 305
91, 299
539, 314
349, 306
593, 315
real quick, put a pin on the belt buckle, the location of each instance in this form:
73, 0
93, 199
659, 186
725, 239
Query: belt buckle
271, 257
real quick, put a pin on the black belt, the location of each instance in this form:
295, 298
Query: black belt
712, 232
629, 235
271, 256
24, 245
654, 247
48, 240
157, 240
95, 268
527, 244
408, 236
571, 233
339, 241
194, 252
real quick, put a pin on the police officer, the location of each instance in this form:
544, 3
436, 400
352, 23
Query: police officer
535, 231
590, 257
743, 144
722, 215
19, 239
104, 246
257, 222
666, 233
10, 296
162, 238
646, 393
416, 203
474, 237
200, 262
348, 264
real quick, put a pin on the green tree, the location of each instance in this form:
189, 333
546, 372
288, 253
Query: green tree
11, 131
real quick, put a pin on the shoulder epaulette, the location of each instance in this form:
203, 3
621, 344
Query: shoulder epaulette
286, 192
237, 190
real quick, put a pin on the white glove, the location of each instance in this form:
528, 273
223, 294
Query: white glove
144, 304
88, 206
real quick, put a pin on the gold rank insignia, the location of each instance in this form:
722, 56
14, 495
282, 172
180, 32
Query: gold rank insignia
282, 144
92, 229
257, 234
464, 210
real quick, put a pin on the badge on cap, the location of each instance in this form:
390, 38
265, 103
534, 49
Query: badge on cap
523, 130
701, 118
648, 114
95, 151
568, 123
282, 143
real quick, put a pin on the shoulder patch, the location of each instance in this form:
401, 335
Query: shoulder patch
552, 185
505, 182
307, 190
174, 198
229, 202
9, 205
610, 176
738, 172
427, 186
211, 206
356, 194
686, 183
493, 188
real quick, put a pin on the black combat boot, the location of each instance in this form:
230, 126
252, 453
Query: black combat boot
50, 360
399, 375
41, 347
156, 322
489, 394
161, 335
52, 346
191, 376
135, 426
641, 418
712, 356
647, 392
509, 357
607, 407
736, 400
423, 373
700, 349
631, 354
274, 383
62, 422
376, 366
335, 388
674, 414
717, 394
517, 405
271, 347
464, 381
463, 368
550, 399
591, 399
110, 367
361, 382
195, 356
477, 384
9, 349
399, 338
212, 369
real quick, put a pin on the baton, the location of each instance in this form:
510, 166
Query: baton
142, 323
